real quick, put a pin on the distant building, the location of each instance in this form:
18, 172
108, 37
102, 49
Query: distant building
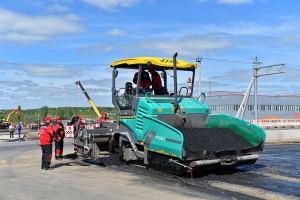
277, 106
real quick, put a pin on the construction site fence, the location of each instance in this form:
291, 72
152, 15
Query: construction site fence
276, 123
69, 130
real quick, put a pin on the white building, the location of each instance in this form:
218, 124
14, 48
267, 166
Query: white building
283, 106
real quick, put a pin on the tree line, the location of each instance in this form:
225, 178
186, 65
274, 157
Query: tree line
66, 113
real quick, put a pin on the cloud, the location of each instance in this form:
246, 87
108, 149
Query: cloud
236, 1
116, 32
36, 70
26, 29
59, 8
111, 5
291, 74
102, 47
96, 84
18, 83
189, 46
280, 27
291, 39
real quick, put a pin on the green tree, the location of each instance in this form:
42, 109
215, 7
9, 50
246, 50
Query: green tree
29, 118
70, 112
43, 112
61, 112
15, 118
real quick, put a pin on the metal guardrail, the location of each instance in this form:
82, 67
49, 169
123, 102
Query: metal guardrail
277, 123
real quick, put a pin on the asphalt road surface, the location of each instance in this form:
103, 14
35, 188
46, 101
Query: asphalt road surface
276, 175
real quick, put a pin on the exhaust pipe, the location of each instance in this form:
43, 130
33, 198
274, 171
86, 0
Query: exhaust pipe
176, 107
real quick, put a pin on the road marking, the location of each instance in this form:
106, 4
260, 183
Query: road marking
251, 191
280, 177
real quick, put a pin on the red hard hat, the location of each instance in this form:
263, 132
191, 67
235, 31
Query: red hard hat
57, 118
79, 117
104, 113
47, 118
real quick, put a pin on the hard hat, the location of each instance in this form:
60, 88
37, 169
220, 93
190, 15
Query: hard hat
57, 118
47, 118
79, 116
104, 113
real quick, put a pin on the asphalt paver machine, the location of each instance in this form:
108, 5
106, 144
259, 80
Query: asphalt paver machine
172, 130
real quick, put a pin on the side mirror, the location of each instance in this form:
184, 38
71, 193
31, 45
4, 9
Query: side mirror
162, 75
116, 74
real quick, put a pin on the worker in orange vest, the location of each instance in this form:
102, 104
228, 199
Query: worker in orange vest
46, 139
103, 118
59, 135
156, 82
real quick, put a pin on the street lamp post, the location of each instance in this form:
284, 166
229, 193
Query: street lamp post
39, 119
198, 60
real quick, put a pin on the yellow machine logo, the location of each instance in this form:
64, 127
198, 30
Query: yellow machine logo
163, 60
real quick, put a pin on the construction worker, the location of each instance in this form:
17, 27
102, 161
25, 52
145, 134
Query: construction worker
19, 128
11, 129
46, 139
103, 118
78, 124
59, 135
145, 81
156, 82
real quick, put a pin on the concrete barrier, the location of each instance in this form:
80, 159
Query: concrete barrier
282, 135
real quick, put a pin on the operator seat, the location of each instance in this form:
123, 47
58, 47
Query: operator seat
128, 88
127, 97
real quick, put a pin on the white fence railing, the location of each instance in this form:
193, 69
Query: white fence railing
277, 123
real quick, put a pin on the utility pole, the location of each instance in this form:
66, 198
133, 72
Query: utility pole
198, 60
255, 75
264, 71
257, 72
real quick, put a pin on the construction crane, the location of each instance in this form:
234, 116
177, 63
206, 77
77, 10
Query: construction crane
5, 123
89, 99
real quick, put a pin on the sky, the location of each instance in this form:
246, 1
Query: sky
46, 46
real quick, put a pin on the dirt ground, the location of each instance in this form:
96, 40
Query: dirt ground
276, 175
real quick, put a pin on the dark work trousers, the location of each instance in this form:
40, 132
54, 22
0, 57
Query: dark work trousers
59, 146
47, 155
11, 134
158, 92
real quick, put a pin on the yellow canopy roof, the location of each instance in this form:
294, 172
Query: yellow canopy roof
155, 62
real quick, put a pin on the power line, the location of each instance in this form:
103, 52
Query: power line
232, 61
